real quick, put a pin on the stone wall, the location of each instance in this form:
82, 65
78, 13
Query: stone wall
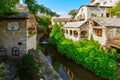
84, 27
113, 32
10, 38
101, 39
87, 11
98, 11
31, 42
78, 29
72, 37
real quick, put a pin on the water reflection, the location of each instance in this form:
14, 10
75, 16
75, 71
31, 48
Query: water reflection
77, 71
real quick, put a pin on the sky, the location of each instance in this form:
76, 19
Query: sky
62, 7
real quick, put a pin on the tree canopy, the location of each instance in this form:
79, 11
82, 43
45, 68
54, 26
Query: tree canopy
43, 22
73, 12
115, 11
7, 7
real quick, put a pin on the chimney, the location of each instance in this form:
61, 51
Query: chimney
92, 1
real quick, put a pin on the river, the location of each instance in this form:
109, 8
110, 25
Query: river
76, 71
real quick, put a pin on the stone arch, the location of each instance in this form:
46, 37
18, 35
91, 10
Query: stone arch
83, 34
66, 31
70, 32
75, 33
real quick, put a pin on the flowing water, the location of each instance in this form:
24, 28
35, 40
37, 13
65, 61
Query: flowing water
75, 71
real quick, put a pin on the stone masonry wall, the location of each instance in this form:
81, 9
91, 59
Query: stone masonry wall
10, 38
113, 32
31, 42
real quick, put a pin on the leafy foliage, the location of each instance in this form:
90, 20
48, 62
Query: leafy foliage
47, 11
115, 11
6, 6
86, 53
27, 68
3, 70
43, 22
73, 12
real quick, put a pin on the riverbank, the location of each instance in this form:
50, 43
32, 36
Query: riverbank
86, 53
73, 70
47, 72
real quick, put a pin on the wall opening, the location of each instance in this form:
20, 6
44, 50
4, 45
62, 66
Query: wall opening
75, 33
70, 32
83, 34
66, 31
98, 32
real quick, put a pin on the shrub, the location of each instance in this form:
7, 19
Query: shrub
27, 68
3, 70
87, 53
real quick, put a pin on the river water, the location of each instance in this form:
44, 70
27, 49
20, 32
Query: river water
78, 72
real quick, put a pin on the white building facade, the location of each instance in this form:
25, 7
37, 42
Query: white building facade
104, 2
86, 11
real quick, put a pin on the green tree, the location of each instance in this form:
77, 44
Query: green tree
7, 7
115, 11
27, 69
73, 12
47, 11
44, 22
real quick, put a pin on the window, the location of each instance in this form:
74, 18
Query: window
98, 32
105, 3
82, 9
93, 15
107, 14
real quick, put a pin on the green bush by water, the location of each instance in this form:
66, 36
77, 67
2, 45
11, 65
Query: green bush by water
86, 53
27, 68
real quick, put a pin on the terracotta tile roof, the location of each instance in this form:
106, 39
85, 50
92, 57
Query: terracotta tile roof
74, 24
20, 15
115, 22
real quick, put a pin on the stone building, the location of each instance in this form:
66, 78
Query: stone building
76, 30
79, 29
17, 33
86, 11
62, 20
104, 2
105, 30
